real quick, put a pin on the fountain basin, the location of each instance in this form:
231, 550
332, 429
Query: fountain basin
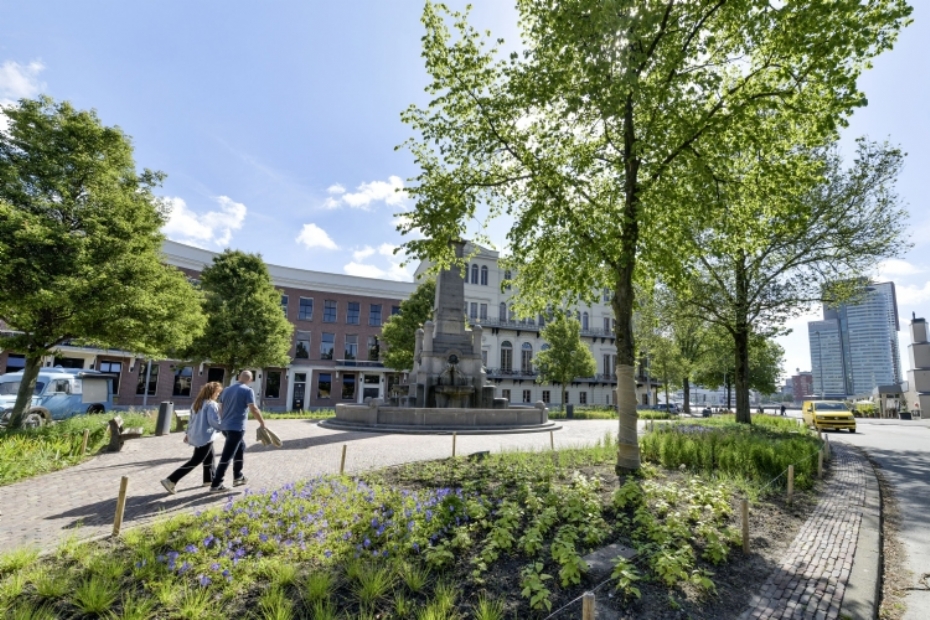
427, 420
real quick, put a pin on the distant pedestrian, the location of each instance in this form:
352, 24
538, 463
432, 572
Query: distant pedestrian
783, 409
201, 429
237, 401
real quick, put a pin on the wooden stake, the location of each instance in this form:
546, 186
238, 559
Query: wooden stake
454, 435
551, 440
820, 464
342, 462
120, 505
826, 447
744, 511
84, 441
790, 482
587, 606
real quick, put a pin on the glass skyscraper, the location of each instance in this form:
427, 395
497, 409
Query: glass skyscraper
855, 347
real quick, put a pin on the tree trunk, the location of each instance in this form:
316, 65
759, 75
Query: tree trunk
668, 406
726, 381
26, 387
686, 387
562, 404
741, 342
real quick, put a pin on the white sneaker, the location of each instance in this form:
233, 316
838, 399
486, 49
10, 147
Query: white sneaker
169, 486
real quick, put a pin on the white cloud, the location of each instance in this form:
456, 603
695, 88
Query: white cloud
912, 294
313, 236
391, 266
212, 227
389, 192
18, 82
897, 267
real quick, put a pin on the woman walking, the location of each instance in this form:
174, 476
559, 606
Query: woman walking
203, 425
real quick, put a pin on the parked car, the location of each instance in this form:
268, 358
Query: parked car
828, 415
670, 408
60, 393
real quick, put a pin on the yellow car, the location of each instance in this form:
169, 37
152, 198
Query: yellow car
828, 415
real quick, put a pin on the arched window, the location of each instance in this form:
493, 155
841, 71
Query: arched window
584, 321
474, 274
506, 356
526, 357
545, 347
503, 312
484, 275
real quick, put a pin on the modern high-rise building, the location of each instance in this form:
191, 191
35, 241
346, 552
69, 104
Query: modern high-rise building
855, 347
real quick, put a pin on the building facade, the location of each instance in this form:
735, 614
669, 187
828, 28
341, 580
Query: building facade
855, 347
917, 386
802, 386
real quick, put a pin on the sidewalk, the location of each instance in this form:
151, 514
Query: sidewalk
814, 574
81, 500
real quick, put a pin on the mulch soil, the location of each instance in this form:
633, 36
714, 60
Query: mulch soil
896, 578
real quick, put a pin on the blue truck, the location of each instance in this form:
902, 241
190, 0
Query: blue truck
60, 393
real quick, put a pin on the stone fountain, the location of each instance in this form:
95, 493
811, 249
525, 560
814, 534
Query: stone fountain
448, 386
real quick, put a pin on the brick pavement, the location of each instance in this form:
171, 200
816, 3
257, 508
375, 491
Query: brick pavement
81, 500
812, 578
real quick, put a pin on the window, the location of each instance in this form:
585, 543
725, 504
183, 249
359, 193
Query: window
284, 304
545, 347
546, 397
607, 364
351, 347
327, 344
484, 357
474, 274
273, 384
606, 296
302, 351
473, 312
216, 375
15, 362
510, 315
584, 321
374, 349
582, 398
541, 320
395, 310
606, 325
306, 309
329, 311
527, 396
526, 357
115, 368
502, 311
324, 385
69, 362
507, 279
182, 380
374, 314
348, 386
483, 312
505, 394
484, 275
353, 310
506, 356
153, 379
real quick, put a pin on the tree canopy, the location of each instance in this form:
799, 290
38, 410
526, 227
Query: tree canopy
80, 243
245, 325
567, 357
400, 330
587, 138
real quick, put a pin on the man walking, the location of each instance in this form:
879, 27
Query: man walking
237, 400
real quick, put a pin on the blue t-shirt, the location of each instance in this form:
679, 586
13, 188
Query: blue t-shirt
236, 400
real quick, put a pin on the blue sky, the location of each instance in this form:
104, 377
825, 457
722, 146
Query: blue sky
277, 121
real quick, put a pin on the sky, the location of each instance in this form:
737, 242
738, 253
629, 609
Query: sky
277, 122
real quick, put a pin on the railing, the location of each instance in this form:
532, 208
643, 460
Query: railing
532, 325
360, 364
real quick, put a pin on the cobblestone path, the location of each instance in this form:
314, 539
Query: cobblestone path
81, 500
812, 578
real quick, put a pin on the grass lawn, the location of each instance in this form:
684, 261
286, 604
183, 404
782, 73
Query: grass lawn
492, 538
30, 452
317, 414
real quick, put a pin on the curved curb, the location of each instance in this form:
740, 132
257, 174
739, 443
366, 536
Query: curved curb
331, 424
864, 587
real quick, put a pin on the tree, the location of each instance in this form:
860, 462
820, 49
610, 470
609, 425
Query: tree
400, 331
718, 366
80, 247
767, 250
245, 325
567, 357
584, 138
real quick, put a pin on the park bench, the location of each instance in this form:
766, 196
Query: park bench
181, 419
119, 434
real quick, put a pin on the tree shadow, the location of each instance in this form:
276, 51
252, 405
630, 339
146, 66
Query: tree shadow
303, 443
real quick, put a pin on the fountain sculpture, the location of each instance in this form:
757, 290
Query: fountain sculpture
448, 386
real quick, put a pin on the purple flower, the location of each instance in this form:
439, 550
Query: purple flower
191, 549
204, 581
208, 540
215, 566
328, 553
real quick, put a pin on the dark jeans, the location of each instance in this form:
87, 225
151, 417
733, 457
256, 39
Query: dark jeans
233, 450
202, 456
